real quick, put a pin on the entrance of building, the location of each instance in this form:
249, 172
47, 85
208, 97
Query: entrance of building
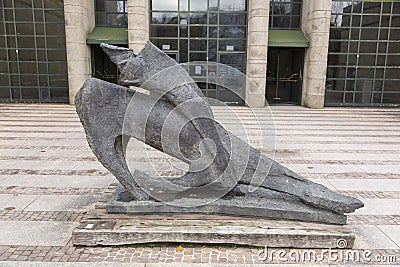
284, 75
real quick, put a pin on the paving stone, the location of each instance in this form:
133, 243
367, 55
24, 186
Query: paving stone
392, 231
74, 264
3, 177
303, 136
366, 184
15, 202
60, 203
371, 237
57, 181
323, 168
379, 207
381, 168
342, 156
35, 233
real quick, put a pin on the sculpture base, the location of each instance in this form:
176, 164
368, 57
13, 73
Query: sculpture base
99, 227
260, 233
281, 209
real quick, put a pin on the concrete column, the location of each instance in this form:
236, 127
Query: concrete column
79, 22
257, 45
315, 25
138, 23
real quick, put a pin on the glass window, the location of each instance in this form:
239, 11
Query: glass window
111, 13
205, 30
198, 18
363, 54
165, 5
32, 52
285, 14
164, 31
232, 5
198, 5
164, 18
232, 18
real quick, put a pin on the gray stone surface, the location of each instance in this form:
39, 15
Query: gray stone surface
371, 237
15, 202
380, 207
392, 232
30, 233
56, 181
60, 203
82, 264
366, 184
132, 264
110, 119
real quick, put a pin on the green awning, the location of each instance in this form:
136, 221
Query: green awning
115, 36
287, 38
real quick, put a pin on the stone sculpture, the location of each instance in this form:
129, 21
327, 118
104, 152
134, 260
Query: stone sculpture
228, 165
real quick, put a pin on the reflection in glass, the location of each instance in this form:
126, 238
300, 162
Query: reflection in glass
111, 13
232, 5
359, 65
232, 19
164, 31
164, 18
165, 5
183, 5
198, 31
33, 54
198, 18
229, 31
213, 5
285, 14
203, 33
198, 45
198, 5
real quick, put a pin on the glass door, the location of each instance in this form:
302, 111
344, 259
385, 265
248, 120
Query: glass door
284, 75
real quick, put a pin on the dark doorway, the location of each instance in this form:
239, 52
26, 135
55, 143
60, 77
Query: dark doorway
284, 75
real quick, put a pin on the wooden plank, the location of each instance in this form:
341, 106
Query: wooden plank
258, 232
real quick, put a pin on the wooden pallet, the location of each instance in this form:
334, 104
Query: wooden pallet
100, 228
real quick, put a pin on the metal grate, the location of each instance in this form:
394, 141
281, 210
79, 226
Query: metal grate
364, 54
33, 64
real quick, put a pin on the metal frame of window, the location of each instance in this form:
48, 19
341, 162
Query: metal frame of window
181, 39
290, 5
365, 60
105, 16
33, 65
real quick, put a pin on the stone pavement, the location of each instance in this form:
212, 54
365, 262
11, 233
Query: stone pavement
49, 178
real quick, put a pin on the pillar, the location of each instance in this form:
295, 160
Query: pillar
138, 23
315, 25
79, 22
257, 45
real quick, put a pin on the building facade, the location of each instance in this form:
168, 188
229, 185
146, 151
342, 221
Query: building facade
307, 52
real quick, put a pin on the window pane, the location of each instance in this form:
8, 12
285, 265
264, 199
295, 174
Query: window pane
198, 31
164, 18
232, 19
232, 5
164, 31
198, 5
198, 18
165, 5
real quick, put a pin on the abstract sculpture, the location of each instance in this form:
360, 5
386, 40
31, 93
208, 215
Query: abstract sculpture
175, 119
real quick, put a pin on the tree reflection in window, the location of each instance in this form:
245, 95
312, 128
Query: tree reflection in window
285, 14
111, 13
